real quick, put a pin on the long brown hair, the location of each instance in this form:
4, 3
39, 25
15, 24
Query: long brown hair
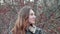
22, 21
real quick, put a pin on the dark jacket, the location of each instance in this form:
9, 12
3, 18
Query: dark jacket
38, 31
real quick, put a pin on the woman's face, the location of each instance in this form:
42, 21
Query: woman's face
32, 17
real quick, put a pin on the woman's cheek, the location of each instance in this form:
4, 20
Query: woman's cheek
31, 19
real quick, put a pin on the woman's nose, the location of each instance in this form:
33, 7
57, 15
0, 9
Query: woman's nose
34, 16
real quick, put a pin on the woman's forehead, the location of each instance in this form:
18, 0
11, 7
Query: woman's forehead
31, 11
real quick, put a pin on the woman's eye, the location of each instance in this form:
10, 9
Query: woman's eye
32, 14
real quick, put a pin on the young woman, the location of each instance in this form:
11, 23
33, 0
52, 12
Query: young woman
25, 23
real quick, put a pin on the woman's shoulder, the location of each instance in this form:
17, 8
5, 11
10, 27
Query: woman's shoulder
38, 28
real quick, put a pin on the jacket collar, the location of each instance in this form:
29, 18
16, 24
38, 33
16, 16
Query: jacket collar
32, 28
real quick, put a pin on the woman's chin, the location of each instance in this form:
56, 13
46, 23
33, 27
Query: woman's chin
33, 22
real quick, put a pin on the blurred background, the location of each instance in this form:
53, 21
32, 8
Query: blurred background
47, 12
